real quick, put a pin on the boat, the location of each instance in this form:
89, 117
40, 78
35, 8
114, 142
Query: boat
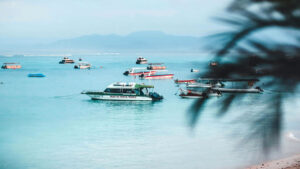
141, 60
66, 60
235, 90
82, 65
11, 66
160, 76
137, 71
194, 70
213, 64
156, 66
36, 75
184, 81
125, 91
197, 94
204, 85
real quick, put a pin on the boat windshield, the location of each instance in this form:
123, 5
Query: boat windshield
110, 90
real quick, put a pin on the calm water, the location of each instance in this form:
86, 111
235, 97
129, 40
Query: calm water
46, 124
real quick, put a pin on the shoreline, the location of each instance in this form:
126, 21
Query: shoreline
292, 162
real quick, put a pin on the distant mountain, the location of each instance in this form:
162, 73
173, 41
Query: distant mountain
144, 40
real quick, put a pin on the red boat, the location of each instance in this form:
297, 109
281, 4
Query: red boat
184, 81
162, 76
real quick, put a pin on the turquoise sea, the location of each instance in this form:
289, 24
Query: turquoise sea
45, 123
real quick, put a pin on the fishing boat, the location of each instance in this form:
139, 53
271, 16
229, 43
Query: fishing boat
125, 91
197, 94
82, 65
141, 60
156, 66
36, 75
66, 60
184, 81
157, 76
11, 66
137, 71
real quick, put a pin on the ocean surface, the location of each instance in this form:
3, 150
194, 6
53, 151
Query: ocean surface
45, 123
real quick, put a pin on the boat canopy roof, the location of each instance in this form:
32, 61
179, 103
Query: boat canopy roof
231, 79
143, 86
155, 63
131, 85
10, 63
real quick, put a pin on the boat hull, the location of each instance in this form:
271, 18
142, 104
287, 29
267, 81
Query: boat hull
185, 81
167, 76
120, 97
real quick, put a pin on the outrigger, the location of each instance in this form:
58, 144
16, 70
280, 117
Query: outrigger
125, 91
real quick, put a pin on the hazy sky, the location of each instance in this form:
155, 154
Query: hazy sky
58, 19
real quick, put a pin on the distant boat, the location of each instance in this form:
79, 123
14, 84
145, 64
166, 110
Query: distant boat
66, 60
141, 60
194, 70
11, 66
184, 81
197, 94
161, 76
82, 65
80, 59
213, 63
137, 71
36, 75
125, 91
156, 66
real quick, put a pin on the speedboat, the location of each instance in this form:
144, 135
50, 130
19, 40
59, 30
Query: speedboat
199, 94
156, 66
141, 60
137, 71
11, 66
160, 76
66, 60
82, 65
125, 91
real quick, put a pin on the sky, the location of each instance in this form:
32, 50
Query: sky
61, 19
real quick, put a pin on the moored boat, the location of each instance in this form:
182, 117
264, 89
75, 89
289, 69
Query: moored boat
184, 81
197, 94
125, 91
240, 90
66, 60
137, 71
11, 66
36, 75
161, 76
194, 70
82, 65
141, 60
156, 66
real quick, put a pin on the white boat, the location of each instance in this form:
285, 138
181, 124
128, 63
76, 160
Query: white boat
194, 70
141, 60
125, 91
204, 85
232, 90
137, 71
82, 65
199, 94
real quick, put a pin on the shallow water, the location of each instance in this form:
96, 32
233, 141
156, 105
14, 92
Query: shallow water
46, 123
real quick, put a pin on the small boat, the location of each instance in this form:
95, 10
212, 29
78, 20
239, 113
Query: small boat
80, 59
232, 90
141, 60
197, 94
194, 70
184, 81
161, 76
125, 91
36, 75
204, 85
137, 71
156, 66
11, 66
66, 60
82, 65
